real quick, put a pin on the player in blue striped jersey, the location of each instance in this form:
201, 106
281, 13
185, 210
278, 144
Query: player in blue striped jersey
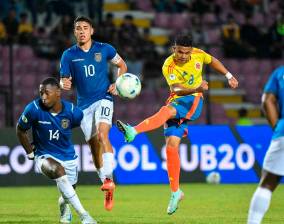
86, 66
51, 119
273, 164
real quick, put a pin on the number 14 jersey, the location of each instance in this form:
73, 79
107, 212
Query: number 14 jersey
51, 132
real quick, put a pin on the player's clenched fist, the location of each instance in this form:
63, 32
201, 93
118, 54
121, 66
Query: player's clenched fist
66, 83
112, 89
204, 85
233, 82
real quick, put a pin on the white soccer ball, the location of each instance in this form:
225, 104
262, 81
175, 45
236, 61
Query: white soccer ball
213, 177
128, 86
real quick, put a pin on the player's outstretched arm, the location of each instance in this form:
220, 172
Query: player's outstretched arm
23, 138
219, 67
180, 90
66, 83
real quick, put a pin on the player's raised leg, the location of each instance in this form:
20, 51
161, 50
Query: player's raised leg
151, 123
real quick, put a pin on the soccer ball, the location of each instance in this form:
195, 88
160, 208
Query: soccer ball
128, 86
213, 178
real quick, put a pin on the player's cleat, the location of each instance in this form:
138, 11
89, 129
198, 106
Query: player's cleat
87, 219
108, 186
128, 131
65, 213
176, 197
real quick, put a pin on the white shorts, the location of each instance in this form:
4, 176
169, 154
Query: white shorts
70, 166
100, 111
274, 158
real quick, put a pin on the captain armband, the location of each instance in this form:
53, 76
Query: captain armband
116, 59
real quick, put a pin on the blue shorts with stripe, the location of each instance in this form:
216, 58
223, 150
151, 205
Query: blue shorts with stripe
188, 108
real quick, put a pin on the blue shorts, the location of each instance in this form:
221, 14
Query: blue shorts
188, 108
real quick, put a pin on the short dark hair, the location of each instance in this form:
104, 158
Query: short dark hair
50, 81
183, 40
83, 19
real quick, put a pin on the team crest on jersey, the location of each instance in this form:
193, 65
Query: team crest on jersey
65, 123
197, 66
98, 57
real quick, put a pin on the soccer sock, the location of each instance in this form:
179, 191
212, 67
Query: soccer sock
69, 194
173, 164
155, 121
101, 174
108, 164
259, 205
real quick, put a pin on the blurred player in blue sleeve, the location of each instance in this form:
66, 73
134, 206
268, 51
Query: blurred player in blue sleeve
51, 119
86, 66
273, 165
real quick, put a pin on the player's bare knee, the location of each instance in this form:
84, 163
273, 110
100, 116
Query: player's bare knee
269, 181
52, 168
172, 143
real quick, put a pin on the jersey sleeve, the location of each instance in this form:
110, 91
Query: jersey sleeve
171, 75
207, 58
28, 117
77, 117
65, 65
272, 84
111, 52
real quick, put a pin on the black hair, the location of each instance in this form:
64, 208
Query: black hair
83, 19
50, 81
183, 40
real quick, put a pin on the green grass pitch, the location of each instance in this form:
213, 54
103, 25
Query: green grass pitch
146, 204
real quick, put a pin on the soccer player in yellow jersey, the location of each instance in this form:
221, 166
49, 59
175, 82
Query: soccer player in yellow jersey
183, 72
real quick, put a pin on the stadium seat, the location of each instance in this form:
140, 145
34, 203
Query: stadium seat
179, 21
233, 65
24, 52
162, 20
249, 66
264, 67
214, 36
216, 52
209, 19
144, 5
239, 17
5, 53
258, 19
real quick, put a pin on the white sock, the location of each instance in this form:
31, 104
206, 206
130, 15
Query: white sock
108, 164
101, 174
259, 205
69, 194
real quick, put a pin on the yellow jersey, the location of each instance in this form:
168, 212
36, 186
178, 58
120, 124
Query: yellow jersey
189, 74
